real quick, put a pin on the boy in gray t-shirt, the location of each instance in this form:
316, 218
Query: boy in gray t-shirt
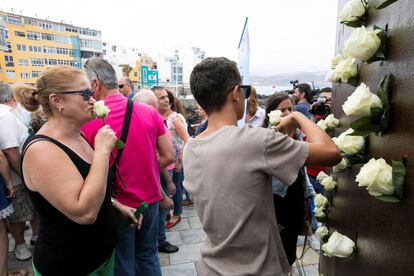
228, 173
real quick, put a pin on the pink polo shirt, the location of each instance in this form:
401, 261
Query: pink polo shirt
138, 165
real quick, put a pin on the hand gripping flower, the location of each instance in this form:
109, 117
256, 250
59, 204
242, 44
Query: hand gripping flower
101, 111
382, 180
338, 245
353, 13
275, 117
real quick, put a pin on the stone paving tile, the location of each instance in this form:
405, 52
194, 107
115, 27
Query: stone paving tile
195, 222
187, 269
164, 259
311, 257
193, 236
187, 253
188, 212
182, 225
174, 238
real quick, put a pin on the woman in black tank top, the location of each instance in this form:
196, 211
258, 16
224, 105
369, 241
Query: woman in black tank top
67, 179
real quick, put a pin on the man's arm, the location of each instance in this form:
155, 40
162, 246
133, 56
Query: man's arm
14, 158
168, 179
165, 152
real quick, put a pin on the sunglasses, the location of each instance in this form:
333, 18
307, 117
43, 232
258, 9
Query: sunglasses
86, 93
121, 86
246, 90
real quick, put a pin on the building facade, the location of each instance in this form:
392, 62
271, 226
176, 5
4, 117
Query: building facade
35, 44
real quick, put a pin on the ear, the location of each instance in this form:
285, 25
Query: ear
55, 101
235, 95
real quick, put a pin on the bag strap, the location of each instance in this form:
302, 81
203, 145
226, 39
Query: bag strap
125, 127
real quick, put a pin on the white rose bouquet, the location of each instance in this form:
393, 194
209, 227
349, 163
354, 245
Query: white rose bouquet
366, 45
382, 180
338, 245
275, 117
373, 109
349, 144
353, 13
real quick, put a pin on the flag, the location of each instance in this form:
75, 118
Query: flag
244, 63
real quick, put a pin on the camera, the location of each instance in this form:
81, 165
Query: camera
320, 106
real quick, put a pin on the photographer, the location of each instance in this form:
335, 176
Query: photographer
321, 106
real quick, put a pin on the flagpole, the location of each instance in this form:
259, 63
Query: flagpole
244, 27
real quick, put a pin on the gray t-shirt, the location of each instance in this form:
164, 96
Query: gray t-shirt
228, 175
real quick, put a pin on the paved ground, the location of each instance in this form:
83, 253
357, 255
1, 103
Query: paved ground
189, 236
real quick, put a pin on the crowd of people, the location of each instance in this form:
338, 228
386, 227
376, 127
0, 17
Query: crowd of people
61, 170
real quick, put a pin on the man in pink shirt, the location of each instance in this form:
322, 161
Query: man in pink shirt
136, 250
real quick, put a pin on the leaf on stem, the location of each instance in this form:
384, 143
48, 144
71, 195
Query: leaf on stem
385, 4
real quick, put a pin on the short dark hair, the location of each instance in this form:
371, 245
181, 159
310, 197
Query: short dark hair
305, 88
326, 90
211, 80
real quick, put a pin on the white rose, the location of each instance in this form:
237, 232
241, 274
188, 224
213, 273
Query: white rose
321, 176
329, 183
321, 232
352, 11
338, 245
275, 117
376, 175
320, 201
336, 60
322, 124
331, 122
361, 101
346, 70
341, 165
362, 44
319, 212
332, 76
349, 144
100, 109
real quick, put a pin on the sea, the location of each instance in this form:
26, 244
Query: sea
268, 90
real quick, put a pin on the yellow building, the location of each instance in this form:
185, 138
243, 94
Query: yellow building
35, 44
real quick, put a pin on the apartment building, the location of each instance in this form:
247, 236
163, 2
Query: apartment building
33, 44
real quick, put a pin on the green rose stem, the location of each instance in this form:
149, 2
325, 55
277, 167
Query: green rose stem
115, 163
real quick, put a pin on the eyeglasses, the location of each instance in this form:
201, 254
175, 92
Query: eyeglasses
121, 86
246, 90
86, 93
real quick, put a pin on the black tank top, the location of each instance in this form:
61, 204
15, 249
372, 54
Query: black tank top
64, 247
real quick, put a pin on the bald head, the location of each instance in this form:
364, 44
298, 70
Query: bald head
146, 96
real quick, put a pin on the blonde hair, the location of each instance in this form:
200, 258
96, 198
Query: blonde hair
52, 81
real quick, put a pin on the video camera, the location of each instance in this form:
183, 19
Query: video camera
293, 83
319, 105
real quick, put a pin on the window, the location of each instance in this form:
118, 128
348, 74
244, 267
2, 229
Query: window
11, 74
21, 47
35, 49
14, 20
35, 74
89, 32
21, 34
9, 48
33, 36
37, 61
30, 21
6, 33
71, 30
46, 26
50, 61
47, 36
25, 76
23, 62
9, 61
